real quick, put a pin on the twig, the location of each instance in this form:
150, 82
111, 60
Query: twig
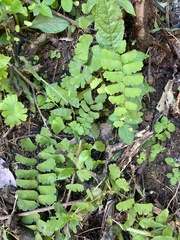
174, 195
39, 210
24, 78
66, 18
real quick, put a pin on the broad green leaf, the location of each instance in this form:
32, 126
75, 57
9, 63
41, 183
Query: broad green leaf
82, 48
150, 223
47, 199
29, 219
122, 184
76, 187
47, 190
132, 92
130, 106
143, 208
114, 88
99, 146
117, 99
126, 133
119, 111
44, 137
110, 60
125, 205
84, 155
134, 67
83, 175
27, 184
47, 165
133, 56
27, 144
67, 5
76, 127
162, 217
95, 82
45, 11
109, 23
114, 171
64, 173
85, 21
57, 125
163, 238
133, 80
49, 25
114, 76
127, 5
87, 7
48, 2
26, 205
16, 7
25, 161
47, 178
13, 111
26, 174
27, 194
168, 231
4, 60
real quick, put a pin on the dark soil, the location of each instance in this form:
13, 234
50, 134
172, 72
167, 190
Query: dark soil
164, 66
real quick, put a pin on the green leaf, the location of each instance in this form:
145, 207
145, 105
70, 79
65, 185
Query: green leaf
122, 184
128, 7
114, 88
163, 238
57, 125
67, 5
29, 219
110, 60
99, 146
86, 7
45, 11
75, 187
170, 127
125, 205
130, 106
49, 25
48, 2
13, 111
117, 99
26, 205
47, 190
76, 127
132, 92
27, 184
134, 67
83, 175
47, 178
82, 48
143, 208
47, 165
85, 21
25, 161
4, 60
27, 194
64, 173
109, 23
113, 76
44, 137
27, 144
47, 199
162, 217
114, 171
17, 7
26, 174
126, 133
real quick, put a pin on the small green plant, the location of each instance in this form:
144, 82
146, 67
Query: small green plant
13, 111
174, 176
163, 130
54, 54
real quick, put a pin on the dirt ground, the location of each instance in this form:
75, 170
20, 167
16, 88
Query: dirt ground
162, 67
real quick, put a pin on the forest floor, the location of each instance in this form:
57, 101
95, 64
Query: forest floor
162, 67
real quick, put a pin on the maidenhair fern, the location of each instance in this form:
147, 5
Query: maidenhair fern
102, 75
